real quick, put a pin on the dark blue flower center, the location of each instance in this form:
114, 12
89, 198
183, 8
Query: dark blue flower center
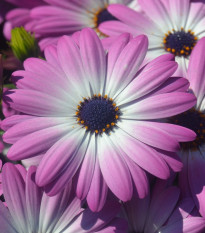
98, 114
180, 43
103, 16
194, 120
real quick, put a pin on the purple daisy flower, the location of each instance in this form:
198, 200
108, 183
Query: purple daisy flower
31, 210
193, 153
68, 16
94, 114
162, 211
172, 26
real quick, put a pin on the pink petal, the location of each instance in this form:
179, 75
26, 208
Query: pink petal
172, 159
115, 28
52, 209
97, 194
66, 148
148, 133
71, 62
6, 221
114, 170
14, 193
37, 142
150, 161
180, 133
68, 215
161, 106
114, 52
37, 103
33, 199
196, 70
13, 120
32, 125
135, 19
93, 57
156, 11
127, 64
173, 84
139, 177
51, 55
148, 80
87, 168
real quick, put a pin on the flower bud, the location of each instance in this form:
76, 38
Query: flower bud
23, 44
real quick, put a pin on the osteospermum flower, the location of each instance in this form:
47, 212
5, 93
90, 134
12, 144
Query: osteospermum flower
193, 153
68, 16
162, 212
31, 210
89, 114
172, 26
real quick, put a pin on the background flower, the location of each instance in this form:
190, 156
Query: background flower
31, 210
172, 26
193, 153
69, 16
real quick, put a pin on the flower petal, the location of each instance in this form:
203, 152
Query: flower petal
14, 193
160, 106
147, 81
93, 58
37, 142
157, 12
151, 161
97, 194
85, 175
66, 149
127, 65
196, 70
158, 216
148, 133
6, 221
114, 169
33, 199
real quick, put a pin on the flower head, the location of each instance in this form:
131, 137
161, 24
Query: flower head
172, 26
66, 17
193, 153
31, 210
94, 115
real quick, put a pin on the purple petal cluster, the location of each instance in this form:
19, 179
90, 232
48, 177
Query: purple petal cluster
104, 129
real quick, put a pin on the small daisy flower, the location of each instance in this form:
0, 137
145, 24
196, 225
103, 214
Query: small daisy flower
31, 210
162, 212
68, 16
94, 115
172, 26
193, 153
